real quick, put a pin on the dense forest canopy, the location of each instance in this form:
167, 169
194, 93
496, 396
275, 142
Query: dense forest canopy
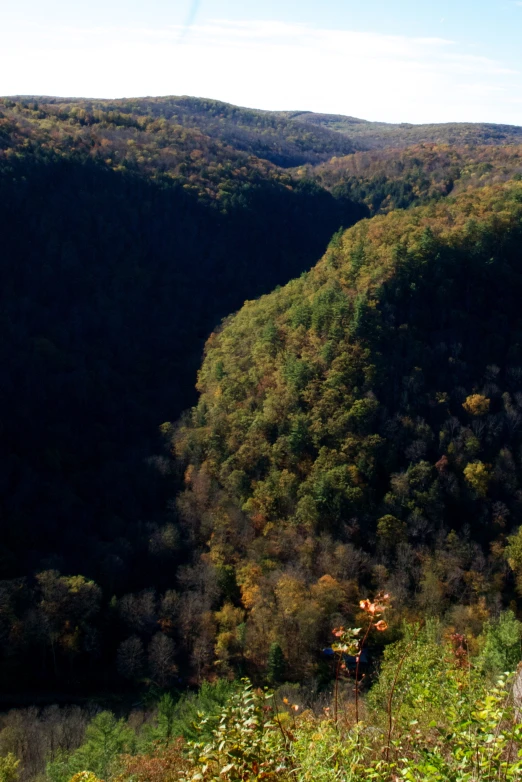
361, 427
396, 178
286, 138
356, 428
266, 135
378, 135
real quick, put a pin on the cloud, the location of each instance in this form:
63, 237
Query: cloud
191, 18
270, 65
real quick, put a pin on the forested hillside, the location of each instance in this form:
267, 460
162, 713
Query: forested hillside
358, 433
330, 450
123, 245
396, 179
360, 429
265, 134
378, 135
286, 138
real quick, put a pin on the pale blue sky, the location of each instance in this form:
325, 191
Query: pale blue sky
379, 59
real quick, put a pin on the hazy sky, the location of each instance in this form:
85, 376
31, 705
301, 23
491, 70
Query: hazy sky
402, 60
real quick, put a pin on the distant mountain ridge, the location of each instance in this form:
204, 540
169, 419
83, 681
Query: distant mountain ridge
291, 138
367, 135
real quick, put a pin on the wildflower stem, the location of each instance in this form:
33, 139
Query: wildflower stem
358, 660
336, 689
392, 690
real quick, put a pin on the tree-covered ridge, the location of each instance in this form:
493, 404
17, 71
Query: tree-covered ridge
267, 135
377, 135
144, 144
286, 138
398, 178
187, 141
361, 424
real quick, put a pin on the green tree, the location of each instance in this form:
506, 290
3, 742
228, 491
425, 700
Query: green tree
513, 554
105, 738
276, 664
166, 717
477, 475
500, 640
9, 768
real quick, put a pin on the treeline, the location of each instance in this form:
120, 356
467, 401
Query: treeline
366, 135
160, 149
286, 138
267, 135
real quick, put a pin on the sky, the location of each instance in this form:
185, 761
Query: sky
388, 60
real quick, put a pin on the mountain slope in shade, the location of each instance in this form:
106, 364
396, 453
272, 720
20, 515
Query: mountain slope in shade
123, 244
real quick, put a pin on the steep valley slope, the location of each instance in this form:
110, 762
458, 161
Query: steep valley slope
361, 427
330, 447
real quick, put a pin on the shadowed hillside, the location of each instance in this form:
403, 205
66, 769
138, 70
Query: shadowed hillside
123, 245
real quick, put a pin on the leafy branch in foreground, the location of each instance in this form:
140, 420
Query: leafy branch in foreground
436, 713
349, 643
248, 741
